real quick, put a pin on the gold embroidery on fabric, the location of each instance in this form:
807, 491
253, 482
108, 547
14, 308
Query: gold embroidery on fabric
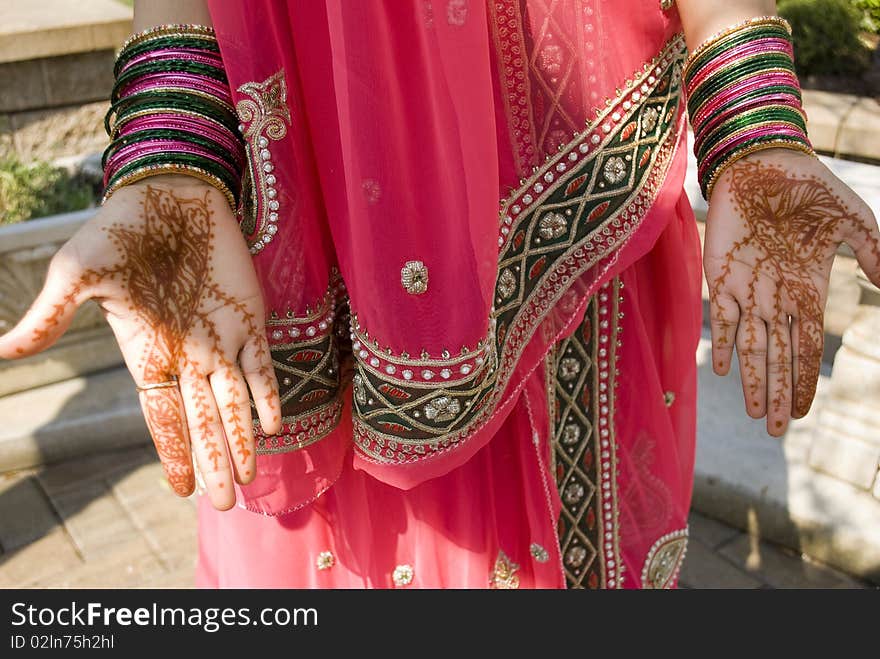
504, 575
664, 560
403, 575
307, 353
584, 446
539, 553
264, 117
325, 560
534, 272
414, 277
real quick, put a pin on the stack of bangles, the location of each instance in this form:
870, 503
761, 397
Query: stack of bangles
172, 112
743, 96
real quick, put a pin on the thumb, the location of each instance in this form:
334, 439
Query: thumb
867, 249
48, 317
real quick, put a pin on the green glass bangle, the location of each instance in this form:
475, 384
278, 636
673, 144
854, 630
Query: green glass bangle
173, 158
167, 66
741, 123
739, 71
201, 44
159, 101
775, 90
168, 134
698, 63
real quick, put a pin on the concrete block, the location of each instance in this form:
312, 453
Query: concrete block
24, 510
705, 568
860, 132
39, 562
56, 27
780, 568
70, 419
23, 85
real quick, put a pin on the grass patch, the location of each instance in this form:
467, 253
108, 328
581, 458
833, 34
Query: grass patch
39, 189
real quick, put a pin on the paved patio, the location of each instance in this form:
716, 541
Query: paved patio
112, 521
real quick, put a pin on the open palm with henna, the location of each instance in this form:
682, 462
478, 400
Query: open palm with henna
168, 267
776, 219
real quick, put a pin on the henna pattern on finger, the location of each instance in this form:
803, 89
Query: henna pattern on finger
795, 226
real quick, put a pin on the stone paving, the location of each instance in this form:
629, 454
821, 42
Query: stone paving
111, 521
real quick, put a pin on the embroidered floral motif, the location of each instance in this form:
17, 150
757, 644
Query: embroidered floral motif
649, 119
666, 4
664, 560
393, 428
539, 553
615, 170
264, 117
584, 451
414, 277
402, 575
570, 434
506, 284
669, 398
553, 225
442, 409
372, 190
325, 560
503, 576
456, 12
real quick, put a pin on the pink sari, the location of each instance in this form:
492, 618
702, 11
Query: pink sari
474, 394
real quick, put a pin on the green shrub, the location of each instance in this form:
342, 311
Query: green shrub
870, 10
826, 36
39, 189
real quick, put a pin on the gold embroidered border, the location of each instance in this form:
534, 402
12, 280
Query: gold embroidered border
307, 353
582, 401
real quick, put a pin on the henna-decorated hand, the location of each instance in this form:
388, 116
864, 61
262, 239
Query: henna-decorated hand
775, 221
165, 261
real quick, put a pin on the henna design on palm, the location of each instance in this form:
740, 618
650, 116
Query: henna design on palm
177, 323
793, 225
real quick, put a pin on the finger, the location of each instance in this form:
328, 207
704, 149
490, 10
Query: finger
47, 318
808, 342
867, 250
778, 375
256, 365
231, 394
208, 440
724, 312
751, 348
166, 420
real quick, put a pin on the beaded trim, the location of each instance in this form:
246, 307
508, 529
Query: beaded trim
264, 118
568, 216
307, 353
664, 560
582, 394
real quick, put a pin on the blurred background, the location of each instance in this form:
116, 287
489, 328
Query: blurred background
83, 501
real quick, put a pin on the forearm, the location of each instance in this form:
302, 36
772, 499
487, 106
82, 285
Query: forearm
703, 18
148, 13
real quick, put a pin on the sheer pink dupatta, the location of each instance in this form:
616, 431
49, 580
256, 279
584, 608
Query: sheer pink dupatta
407, 122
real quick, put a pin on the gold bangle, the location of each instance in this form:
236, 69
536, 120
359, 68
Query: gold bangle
190, 30
780, 143
155, 170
